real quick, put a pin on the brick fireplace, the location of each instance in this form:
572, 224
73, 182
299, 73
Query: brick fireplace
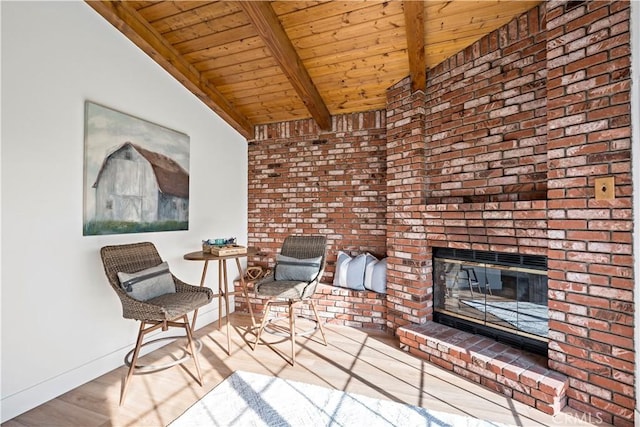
499, 154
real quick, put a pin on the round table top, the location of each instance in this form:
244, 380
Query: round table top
207, 256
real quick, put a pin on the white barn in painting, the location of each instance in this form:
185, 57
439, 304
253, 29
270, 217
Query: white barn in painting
138, 185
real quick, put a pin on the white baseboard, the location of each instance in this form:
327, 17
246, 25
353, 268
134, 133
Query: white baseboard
33, 396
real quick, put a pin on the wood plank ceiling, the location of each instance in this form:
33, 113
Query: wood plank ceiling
256, 62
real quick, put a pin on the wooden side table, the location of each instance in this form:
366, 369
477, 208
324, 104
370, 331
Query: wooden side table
223, 284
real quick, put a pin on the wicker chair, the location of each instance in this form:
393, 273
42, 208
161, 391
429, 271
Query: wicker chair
161, 312
292, 292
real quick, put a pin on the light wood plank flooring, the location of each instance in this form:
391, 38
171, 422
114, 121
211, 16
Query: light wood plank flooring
364, 362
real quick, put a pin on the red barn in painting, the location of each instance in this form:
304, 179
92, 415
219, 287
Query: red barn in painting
138, 185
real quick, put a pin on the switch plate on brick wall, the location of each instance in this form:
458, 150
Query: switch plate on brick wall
605, 188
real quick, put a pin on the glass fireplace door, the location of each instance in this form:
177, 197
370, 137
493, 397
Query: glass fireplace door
507, 298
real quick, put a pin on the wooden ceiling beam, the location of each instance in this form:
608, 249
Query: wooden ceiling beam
414, 24
129, 22
268, 26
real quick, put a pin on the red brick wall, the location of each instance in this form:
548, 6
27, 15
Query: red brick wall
305, 181
409, 293
486, 151
590, 252
501, 153
486, 115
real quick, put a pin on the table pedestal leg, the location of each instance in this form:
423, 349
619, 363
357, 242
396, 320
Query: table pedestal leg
220, 294
226, 303
195, 312
245, 292
224, 292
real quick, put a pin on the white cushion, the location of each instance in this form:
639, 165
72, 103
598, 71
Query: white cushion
149, 283
368, 260
297, 269
375, 276
350, 271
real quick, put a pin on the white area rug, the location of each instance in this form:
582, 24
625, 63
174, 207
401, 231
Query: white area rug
248, 399
526, 316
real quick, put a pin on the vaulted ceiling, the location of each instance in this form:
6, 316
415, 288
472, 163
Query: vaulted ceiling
257, 62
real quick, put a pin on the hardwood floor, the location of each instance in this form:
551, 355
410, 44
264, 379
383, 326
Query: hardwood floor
364, 362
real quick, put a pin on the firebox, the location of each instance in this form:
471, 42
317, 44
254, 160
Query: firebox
500, 295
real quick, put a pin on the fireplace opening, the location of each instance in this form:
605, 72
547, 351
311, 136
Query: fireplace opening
500, 295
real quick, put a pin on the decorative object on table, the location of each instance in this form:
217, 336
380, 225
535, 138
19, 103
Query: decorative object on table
223, 247
228, 250
136, 175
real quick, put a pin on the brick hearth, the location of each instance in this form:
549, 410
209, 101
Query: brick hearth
515, 373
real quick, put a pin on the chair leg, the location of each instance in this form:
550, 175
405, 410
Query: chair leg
315, 311
192, 347
292, 327
134, 360
267, 307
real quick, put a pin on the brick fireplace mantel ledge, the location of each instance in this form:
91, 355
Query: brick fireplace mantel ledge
518, 374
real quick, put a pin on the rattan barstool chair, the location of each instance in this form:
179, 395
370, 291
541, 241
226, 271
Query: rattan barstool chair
293, 280
161, 312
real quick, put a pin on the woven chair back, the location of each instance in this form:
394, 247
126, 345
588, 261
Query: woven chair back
128, 258
306, 247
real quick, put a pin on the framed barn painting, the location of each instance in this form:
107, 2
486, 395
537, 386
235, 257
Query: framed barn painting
136, 174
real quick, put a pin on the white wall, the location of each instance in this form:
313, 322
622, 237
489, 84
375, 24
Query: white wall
61, 322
